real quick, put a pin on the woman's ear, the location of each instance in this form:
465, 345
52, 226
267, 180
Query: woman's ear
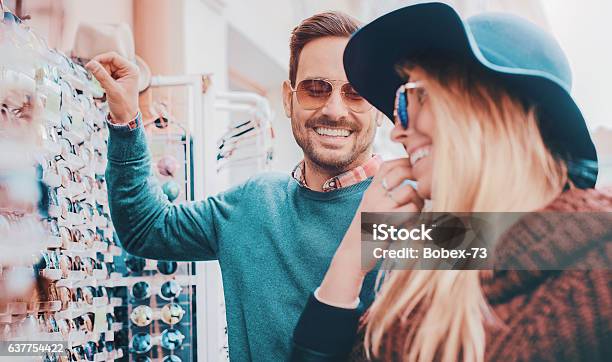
287, 97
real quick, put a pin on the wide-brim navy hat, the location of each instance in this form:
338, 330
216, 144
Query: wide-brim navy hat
527, 59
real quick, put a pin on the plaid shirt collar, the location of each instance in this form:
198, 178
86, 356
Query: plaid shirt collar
348, 178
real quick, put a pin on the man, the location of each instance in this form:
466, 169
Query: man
275, 235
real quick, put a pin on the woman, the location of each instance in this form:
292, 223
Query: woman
484, 112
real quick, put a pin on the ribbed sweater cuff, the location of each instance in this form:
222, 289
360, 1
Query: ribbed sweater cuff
126, 145
327, 329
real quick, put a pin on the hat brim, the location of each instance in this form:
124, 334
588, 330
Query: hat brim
435, 29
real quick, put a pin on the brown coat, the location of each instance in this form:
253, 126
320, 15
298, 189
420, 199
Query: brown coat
546, 315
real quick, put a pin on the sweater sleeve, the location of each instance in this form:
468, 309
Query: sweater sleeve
149, 225
324, 333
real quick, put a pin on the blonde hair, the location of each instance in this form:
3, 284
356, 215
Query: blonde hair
489, 156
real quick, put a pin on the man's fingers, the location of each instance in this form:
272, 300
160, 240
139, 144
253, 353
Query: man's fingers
101, 74
116, 65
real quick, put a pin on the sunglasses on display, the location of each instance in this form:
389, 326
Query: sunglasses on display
83, 209
137, 264
69, 94
75, 238
77, 354
50, 259
171, 339
168, 291
51, 134
245, 141
402, 95
77, 263
69, 175
90, 349
167, 267
143, 315
313, 94
83, 323
141, 343
70, 152
50, 173
53, 197
48, 323
171, 358
237, 132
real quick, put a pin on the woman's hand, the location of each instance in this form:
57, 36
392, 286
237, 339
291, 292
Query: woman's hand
387, 193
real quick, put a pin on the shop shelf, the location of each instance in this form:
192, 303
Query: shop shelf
51, 337
99, 274
51, 274
102, 356
100, 301
17, 308
75, 310
100, 247
100, 221
42, 307
54, 211
52, 179
101, 197
76, 338
53, 242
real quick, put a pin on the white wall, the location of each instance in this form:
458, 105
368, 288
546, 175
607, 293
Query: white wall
57, 20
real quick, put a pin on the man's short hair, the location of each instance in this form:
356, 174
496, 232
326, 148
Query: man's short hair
331, 23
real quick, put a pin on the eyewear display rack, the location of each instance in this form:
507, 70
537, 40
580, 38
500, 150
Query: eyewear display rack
159, 297
105, 304
70, 239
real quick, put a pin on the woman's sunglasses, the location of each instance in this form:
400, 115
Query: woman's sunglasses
400, 111
313, 94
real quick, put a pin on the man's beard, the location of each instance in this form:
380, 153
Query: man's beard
321, 157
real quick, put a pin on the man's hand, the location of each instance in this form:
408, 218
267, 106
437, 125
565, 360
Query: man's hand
119, 78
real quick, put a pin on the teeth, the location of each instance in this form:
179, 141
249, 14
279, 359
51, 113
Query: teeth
333, 132
419, 154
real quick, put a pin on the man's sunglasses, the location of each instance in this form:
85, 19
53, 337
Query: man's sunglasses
315, 93
400, 111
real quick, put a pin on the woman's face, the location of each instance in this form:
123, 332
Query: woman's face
417, 139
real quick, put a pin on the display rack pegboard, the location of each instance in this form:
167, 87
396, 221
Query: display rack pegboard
159, 296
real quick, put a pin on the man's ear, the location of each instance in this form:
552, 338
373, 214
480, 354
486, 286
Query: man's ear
287, 97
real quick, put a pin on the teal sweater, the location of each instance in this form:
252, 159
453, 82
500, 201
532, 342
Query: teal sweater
273, 238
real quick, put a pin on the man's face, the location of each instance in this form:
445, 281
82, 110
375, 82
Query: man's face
334, 136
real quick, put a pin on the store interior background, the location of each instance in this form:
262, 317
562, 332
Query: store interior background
243, 46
